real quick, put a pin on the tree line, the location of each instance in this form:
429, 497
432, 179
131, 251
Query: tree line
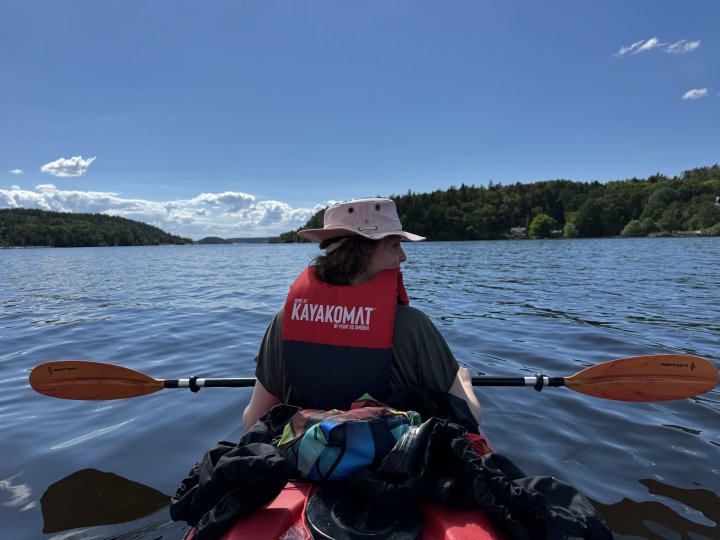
657, 205
21, 227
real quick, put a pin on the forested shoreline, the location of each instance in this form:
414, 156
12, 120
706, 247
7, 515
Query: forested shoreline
657, 205
21, 227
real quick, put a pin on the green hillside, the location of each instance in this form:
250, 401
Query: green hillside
21, 227
657, 205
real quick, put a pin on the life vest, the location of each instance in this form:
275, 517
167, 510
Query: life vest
337, 340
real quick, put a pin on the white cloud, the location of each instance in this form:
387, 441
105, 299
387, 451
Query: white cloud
696, 93
644, 45
682, 46
16, 172
75, 166
228, 214
234, 200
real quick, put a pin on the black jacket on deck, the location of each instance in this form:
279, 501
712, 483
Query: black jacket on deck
233, 480
431, 461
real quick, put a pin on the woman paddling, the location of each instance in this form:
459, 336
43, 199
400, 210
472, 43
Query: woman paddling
347, 328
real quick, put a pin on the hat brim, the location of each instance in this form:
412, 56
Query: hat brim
319, 235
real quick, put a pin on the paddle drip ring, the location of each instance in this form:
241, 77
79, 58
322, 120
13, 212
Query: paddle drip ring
539, 382
192, 384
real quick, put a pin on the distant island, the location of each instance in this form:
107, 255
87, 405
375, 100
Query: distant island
657, 206
21, 227
216, 240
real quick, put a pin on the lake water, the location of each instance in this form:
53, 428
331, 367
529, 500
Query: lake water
506, 309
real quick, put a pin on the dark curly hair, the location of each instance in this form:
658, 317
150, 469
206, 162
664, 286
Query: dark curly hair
346, 262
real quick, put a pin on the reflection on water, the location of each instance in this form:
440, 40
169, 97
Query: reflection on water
655, 519
90, 497
16, 495
88, 436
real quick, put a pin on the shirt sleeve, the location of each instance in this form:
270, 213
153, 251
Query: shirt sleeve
270, 369
421, 355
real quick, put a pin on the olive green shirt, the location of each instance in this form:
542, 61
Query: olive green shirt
420, 356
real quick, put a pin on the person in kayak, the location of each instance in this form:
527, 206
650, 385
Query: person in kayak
347, 328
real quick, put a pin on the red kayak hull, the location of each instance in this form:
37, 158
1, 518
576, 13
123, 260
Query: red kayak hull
286, 511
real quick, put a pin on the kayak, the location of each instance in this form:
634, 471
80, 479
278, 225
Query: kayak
287, 517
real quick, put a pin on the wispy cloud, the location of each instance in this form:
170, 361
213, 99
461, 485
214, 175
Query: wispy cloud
640, 46
228, 214
16, 172
644, 45
696, 93
682, 46
75, 166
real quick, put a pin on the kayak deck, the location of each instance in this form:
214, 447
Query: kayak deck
286, 511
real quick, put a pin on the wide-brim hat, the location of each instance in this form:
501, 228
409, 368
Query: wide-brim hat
372, 218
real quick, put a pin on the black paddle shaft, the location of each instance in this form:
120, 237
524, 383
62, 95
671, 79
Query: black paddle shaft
538, 382
196, 383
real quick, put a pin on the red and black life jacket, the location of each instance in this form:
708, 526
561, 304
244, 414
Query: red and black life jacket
337, 340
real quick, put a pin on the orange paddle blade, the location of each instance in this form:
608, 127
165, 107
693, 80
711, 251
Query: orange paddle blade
659, 377
75, 379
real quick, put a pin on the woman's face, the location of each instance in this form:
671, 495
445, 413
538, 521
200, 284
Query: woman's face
388, 255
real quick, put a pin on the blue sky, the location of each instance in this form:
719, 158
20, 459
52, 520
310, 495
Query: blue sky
237, 118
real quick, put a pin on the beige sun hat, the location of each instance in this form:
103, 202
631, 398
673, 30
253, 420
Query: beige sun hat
371, 218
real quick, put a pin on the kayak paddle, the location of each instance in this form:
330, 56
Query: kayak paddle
78, 379
660, 377
657, 377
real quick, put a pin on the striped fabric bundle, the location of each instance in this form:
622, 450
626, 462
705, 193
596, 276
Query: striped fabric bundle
335, 445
